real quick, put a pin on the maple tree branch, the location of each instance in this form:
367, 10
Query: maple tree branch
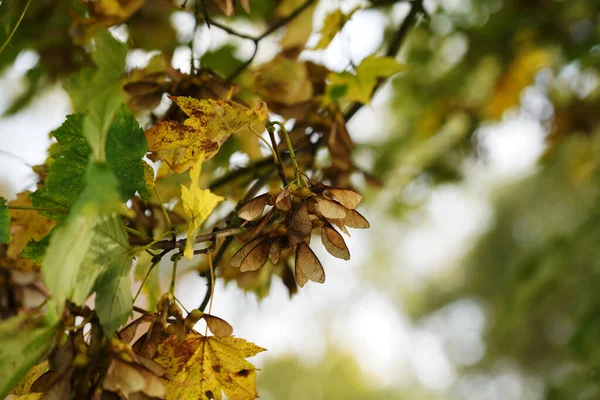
392, 51
255, 39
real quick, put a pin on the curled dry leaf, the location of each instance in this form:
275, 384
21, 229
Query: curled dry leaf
334, 243
203, 367
211, 122
308, 266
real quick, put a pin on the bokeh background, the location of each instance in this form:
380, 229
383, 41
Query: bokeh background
479, 276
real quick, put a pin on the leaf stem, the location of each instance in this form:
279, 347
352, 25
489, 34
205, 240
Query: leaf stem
175, 258
152, 266
14, 29
164, 210
137, 233
288, 142
60, 210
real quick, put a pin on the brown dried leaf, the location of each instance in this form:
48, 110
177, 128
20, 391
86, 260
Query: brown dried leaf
334, 243
329, 208
253, 209
300, 225
219, 327
257, 257
240, 255
308, 266
348, 198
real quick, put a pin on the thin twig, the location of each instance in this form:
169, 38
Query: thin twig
14, 29
255, 39
392, 51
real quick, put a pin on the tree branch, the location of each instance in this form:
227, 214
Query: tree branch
255, 39
392, 51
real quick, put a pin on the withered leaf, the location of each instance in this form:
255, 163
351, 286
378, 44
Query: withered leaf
218, 326
329, 208
203, 367
348, 198
334, 243
300, 225
253, 209
257, 257
308, 266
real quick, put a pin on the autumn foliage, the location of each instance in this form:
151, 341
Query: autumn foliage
114, 194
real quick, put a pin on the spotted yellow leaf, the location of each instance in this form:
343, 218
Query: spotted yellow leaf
25, 226
203, 367
211, 122
197, 205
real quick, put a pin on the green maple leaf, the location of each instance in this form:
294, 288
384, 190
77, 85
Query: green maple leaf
4, 222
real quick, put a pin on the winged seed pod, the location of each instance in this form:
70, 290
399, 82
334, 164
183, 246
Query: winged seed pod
287, 227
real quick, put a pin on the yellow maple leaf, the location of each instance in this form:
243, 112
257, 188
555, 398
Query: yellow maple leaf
202, 367
197, 205
104, 14
211, 122
359, 86
332, 25
25, 225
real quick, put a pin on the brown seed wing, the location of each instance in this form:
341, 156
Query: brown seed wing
275, 251
283, 201
236, 260
253, 209
256, 229
334, 243
329, 208
300, 225
308, 266
355, 220
219, 327
348, 198
257, 257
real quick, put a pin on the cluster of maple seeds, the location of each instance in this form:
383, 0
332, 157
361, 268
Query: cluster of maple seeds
287, 227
